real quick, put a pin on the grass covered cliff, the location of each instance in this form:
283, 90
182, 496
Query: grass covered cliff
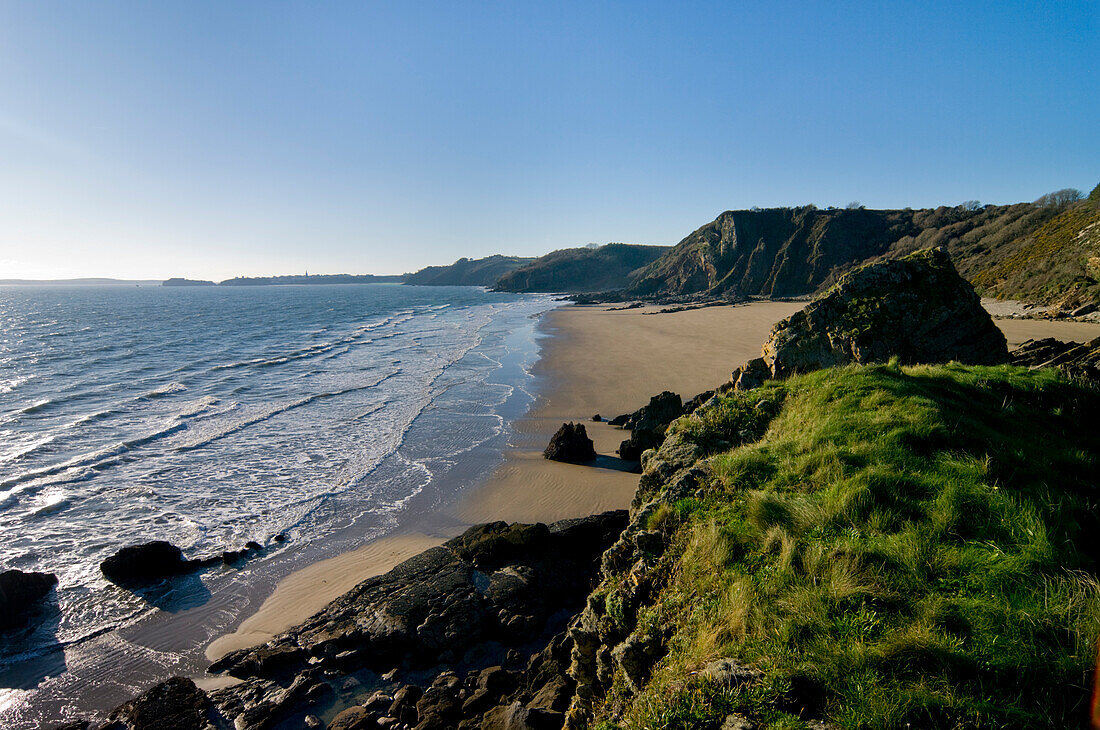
468, 272
869, 546
590, 269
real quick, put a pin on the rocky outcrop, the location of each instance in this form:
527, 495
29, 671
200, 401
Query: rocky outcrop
494, 583
648, 424
493, 592
176, 704
1075, 359
137, 565
484, 597
570, 443
917, 309
20, 596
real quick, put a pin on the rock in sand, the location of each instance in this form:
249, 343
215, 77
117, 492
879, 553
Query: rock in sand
571, 444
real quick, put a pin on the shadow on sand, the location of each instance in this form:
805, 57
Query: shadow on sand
33, 653
174, 595
615, 464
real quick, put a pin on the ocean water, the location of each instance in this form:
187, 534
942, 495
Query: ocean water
209, 417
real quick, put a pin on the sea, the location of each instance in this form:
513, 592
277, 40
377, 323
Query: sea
214, 416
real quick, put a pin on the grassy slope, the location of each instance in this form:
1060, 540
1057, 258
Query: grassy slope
605, 268
468, 272
902, 545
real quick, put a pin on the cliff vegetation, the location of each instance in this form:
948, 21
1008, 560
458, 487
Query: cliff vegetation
468, 272
603, 268
867, 547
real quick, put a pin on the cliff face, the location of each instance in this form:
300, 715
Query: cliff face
773, 252
606, 268
1047, 252
468, 272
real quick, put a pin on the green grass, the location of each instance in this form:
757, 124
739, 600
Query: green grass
892, 548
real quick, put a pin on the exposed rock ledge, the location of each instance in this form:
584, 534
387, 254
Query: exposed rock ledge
487, 598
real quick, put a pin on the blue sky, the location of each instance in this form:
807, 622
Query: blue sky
210, 139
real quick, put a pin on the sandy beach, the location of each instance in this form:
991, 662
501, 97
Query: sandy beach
593, 360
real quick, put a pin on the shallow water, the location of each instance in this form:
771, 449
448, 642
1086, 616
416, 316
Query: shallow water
213, 416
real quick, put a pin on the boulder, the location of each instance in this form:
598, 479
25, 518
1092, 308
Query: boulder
20, 595
175, 704
571, 444
751, 375
150, 562
648, 424
404, 704
353, 718
916, 308
517, 717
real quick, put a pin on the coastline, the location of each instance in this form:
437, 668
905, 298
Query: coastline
592, 360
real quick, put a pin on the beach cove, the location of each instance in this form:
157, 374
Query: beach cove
593, 357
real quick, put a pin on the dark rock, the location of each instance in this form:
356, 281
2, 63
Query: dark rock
146, 563
404, 704
517, 717
75, 725
263, 661
1075, 359
597, 418
917, 309
571, 444
20, 596
491, 545
1083, 310
496, 680
353, 718
648, 424
176, 704
253, 546
441, 706
620, 420
697, 401
495, 583
751, 375
279, 538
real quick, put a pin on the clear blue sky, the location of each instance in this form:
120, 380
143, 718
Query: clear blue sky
209, 139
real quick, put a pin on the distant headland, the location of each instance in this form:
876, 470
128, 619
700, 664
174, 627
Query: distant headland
292, 279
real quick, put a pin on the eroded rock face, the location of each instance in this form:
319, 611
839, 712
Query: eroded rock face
916, 308
21, 595
571, 443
